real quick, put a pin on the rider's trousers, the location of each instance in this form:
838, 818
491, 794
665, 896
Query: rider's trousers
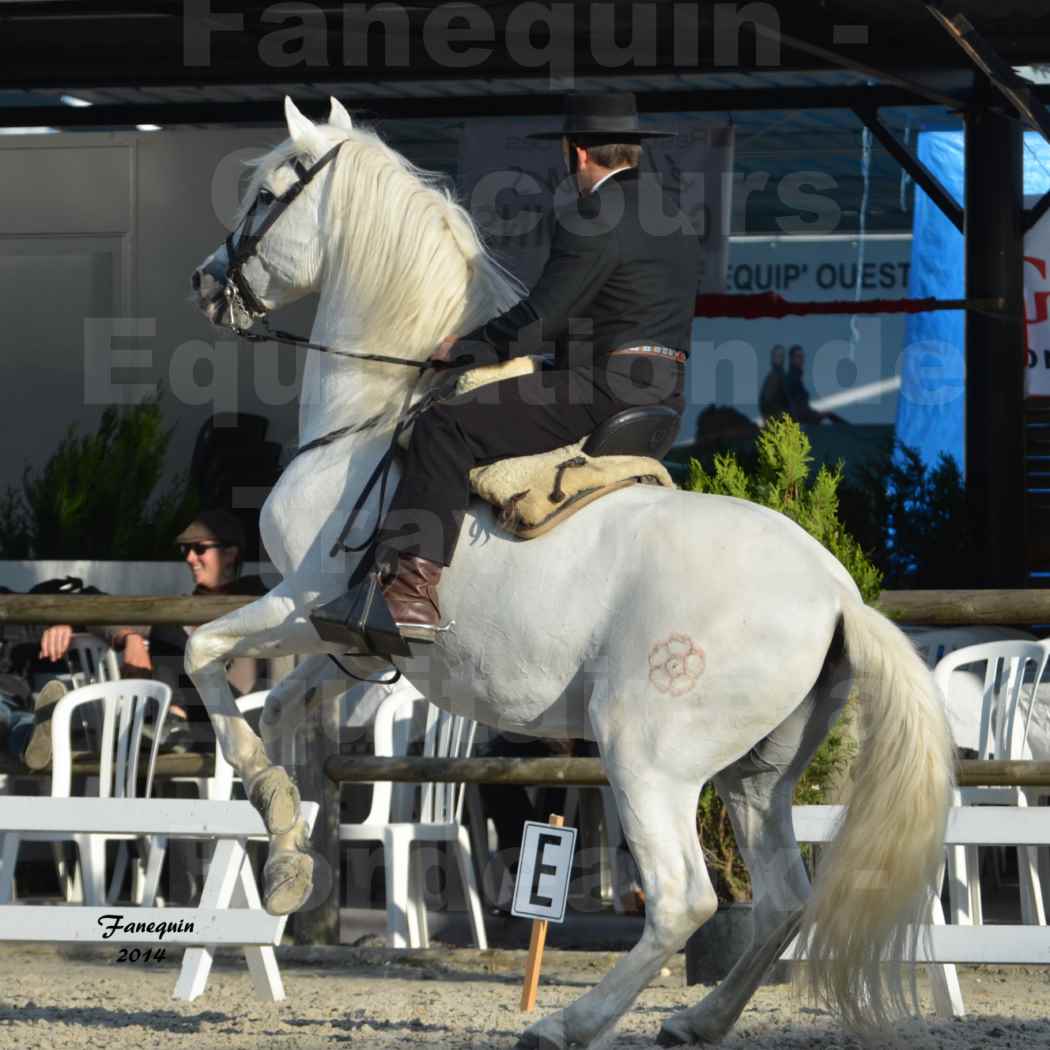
515, 417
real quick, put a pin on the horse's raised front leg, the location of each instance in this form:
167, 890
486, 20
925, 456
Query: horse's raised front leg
658, 811
272, 626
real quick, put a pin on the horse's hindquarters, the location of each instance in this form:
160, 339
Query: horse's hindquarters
659, 600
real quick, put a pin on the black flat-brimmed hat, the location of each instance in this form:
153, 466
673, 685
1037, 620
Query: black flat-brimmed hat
590, 118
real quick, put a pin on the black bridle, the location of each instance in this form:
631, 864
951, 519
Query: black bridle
242, 244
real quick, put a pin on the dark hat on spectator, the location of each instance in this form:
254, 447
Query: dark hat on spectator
593, 119
214, 526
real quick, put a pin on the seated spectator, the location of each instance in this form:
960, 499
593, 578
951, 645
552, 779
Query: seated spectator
211, 545
797, 394
29, 689
25, 720
772, 398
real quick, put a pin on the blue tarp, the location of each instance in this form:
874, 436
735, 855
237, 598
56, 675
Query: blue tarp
931, 411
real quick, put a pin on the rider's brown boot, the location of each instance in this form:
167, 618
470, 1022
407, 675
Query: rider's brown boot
384, 610
411, 597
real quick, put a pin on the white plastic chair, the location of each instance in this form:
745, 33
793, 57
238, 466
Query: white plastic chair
90, 660
1013, 671
934, 643
95, 661
418, 814
124, 705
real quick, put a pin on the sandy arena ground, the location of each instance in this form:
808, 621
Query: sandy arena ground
453, 1000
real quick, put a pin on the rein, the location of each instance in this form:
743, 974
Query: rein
380, 476
268, 335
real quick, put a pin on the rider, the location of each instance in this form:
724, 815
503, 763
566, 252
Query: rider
616, 298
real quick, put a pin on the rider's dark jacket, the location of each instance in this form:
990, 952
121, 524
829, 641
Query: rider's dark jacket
623, 270
622, 274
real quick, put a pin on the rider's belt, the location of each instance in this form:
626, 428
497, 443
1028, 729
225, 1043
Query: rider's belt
659, 351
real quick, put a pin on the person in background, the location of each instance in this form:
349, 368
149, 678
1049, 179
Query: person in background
772, 398
212, 546
25, 720
29, 689
797, 394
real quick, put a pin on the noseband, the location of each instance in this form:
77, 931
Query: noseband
242, 243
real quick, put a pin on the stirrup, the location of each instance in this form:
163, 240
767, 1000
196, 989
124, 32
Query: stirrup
423, 633
359, 618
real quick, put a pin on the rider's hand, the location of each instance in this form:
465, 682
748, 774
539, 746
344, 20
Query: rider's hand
443, 354
137, 663
55, 642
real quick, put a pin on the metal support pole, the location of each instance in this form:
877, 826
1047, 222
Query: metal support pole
1018, 91
995, 346
934, 188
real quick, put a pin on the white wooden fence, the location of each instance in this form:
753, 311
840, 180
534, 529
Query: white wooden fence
229, 912
942, 945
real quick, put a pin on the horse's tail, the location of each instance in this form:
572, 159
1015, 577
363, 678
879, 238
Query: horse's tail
874, 881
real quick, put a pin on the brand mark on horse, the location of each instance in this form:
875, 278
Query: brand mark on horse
675, 665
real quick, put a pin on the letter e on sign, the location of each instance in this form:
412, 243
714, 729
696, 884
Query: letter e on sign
544, 870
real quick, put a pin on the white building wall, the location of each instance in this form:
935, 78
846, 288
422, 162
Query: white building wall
98, 236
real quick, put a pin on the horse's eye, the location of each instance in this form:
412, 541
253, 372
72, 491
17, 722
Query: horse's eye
266, 196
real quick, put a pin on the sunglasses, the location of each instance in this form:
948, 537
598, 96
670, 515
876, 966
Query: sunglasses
199, 548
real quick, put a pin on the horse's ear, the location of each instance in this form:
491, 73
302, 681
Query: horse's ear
338, 116
300, 128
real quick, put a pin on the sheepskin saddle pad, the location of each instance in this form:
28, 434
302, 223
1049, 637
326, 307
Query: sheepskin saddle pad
535, 493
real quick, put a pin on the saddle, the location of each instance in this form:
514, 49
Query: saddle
535, 493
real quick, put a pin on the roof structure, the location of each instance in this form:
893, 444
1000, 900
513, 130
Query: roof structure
789, 73
221, 59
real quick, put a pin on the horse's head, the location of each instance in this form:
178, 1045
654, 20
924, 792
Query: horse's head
275, 254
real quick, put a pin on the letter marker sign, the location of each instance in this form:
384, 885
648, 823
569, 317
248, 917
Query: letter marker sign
542, 889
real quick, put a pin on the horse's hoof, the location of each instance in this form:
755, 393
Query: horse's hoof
276, 799
529, 1040
287, 881
676, 1032
672, 1034
546, 1034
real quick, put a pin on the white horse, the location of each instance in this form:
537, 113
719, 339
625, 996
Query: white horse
693, 637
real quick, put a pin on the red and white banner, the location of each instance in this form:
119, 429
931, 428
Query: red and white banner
1037, 308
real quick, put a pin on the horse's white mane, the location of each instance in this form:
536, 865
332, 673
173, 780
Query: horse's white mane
404, 260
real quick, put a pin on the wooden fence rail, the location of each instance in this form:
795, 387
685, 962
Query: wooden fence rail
114, 610
934, 608
588, 772
575, 772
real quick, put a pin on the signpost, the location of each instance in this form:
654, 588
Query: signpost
542, 889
